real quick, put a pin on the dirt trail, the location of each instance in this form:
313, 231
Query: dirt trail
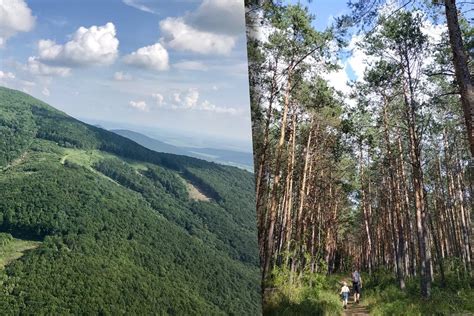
355, 309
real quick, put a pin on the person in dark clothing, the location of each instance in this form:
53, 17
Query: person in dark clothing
356, 285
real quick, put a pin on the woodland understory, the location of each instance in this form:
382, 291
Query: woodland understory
376, 177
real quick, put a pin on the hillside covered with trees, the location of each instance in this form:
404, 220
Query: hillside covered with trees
376, 177
103, 225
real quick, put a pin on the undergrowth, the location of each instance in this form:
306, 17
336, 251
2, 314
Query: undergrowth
301, 294
383, 296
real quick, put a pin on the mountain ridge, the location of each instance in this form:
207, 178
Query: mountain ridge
239, 159
119, 231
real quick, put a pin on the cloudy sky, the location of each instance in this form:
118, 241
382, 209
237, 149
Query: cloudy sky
171, 65
352, 60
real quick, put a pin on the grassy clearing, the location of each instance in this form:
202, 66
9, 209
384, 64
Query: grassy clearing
139, 166
194, 192
87, 158
84, 158
12, 248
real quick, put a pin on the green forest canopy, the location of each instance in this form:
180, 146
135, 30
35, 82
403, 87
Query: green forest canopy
119, 232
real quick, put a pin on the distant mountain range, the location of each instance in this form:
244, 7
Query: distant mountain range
229, 157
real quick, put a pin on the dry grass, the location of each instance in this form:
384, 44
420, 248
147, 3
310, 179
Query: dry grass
14, 249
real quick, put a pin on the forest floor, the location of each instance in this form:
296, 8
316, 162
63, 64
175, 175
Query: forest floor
355, 309
14, 249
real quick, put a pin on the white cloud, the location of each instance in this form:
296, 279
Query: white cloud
435, 32
176, 97
154, 57
339, 79
358, 59
121, 76
139, 105
46, 92
137, 5
158, 98
219, 16
183, 37
35, 67
208, 106
97, 45
189, 100
15, 17
6, 75
190, 65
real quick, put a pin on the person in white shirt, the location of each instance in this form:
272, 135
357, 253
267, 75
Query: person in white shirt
345, 294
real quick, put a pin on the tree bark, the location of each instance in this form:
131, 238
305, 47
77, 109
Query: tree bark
463, 76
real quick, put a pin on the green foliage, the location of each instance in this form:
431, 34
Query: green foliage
12, 249
384, 297
17, 128
5, 239
119, 233
301, 294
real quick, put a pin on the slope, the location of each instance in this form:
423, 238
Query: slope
228, 157
119, 233
150, 143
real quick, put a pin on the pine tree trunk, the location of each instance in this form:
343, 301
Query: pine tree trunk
398, 241
365, 212
417, 178
461, 68
269, 244
262, 164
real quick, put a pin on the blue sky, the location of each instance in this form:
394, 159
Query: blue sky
324, 12
171, 65
352, 60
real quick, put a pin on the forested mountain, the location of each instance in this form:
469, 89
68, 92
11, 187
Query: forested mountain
375, 177
107, 226
228, 157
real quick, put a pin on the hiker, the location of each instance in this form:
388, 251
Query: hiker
345, 294
356, 285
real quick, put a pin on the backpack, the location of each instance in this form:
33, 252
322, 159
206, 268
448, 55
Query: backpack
355, 277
